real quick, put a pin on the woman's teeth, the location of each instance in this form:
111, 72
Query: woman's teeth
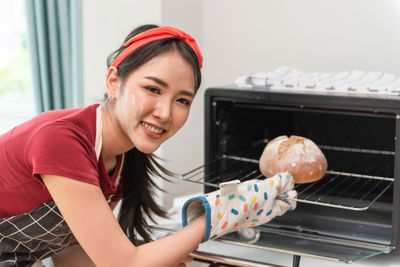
151, 128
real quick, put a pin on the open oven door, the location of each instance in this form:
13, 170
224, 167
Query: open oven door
286, 242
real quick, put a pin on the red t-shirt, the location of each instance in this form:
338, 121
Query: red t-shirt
61, 142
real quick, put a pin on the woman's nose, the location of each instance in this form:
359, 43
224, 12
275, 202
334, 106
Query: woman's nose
162, 111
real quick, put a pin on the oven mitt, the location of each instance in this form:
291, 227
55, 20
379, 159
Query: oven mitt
240, 205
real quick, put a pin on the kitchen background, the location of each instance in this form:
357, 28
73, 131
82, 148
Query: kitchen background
244, 37
239, 38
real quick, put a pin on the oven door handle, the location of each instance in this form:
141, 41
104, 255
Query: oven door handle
216, 258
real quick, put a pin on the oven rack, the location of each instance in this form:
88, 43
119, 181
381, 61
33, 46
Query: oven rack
343, 190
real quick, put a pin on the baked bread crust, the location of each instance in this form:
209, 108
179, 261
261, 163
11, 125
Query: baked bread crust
297, 155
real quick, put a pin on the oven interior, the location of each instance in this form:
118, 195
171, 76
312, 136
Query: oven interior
351, 207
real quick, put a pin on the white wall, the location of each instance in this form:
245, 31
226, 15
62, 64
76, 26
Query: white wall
243, 37
105, 26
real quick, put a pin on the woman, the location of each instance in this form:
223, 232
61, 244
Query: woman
70, 162
63, 170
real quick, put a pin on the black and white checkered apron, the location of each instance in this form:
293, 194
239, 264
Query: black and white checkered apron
32, 236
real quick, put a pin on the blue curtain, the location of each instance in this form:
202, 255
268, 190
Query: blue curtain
55, 47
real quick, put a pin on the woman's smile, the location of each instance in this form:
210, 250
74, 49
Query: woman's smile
151, 130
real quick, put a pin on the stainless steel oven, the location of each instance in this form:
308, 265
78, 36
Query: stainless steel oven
350, 214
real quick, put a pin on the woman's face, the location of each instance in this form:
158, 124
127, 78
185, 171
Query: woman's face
154, 101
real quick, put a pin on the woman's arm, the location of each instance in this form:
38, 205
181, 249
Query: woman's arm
74, 255
94, 226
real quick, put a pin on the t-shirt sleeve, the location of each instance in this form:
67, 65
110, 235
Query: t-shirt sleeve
63, 149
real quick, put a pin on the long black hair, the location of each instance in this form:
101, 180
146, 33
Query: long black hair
138, 187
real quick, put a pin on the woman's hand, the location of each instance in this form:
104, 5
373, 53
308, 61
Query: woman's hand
241, 205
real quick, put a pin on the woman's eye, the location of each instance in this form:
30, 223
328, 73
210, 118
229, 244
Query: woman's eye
184, 101
153, 89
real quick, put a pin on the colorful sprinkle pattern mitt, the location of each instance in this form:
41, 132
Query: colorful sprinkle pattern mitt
240, 205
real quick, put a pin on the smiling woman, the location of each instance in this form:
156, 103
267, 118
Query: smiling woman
68, 167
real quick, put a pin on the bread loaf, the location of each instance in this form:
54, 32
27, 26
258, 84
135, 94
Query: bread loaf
297, 155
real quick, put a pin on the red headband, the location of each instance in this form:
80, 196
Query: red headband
156, 34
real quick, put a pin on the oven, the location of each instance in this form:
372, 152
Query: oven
352, 213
